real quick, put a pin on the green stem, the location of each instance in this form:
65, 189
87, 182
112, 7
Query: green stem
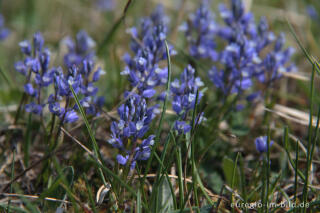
12, 176
180, 175
305, 188
296, 175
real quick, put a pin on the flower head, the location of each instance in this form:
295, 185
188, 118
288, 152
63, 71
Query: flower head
262, 144
135, 118
200, 31
184, 94
148, 45
35, 67
246, 58
79, 50
81, 74
4, 32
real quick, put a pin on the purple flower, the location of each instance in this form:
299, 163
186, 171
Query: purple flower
184, 95
35, 67
21, 67
97, 74
143, 68
55, 108
262, 144
4, 32
241, 61
28, 88
312, 12
70, 116
134, 120
34, 108
200, 32
105, 5
182, 127
122, 160
25, 47
81, 75
79, 50
148, 93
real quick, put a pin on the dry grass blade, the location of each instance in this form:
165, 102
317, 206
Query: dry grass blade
292, 114
34, 197
77, 141
296, 75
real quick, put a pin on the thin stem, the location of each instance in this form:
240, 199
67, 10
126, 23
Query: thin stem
305, 188
180, 175
296, 175
12, 176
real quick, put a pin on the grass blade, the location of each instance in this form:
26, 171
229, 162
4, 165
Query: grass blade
164, 107
92, 137
310, 129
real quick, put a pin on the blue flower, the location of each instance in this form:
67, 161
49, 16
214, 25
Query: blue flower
312, 12
105, 5
25, 47
70, 116
4, 32
80, 74
34, 108
97, 74
241, 61
122, 160
184, 95
182, 127
55, 108
28, 88
134, 120
262, 144
79, 50
35, 67
148, 45
200, 32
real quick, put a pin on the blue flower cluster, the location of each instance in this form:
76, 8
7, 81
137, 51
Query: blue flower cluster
79, 50
312, 12
35, 67
144, 74
241, 60
262, 144
135, 117
200, 31
4, 32
105, 5
148, 46
80, 74
184, 95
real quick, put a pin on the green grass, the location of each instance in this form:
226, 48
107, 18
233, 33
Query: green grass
208, 169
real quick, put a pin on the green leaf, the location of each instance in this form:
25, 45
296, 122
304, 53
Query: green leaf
139, 206
57, 191
165, 199
240, 130
4, 206
227, 166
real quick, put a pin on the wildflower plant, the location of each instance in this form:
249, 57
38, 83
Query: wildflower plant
35, 68
148, 45
201, 30
184, 93
81, 74
133, 155
242, 60
134, 122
